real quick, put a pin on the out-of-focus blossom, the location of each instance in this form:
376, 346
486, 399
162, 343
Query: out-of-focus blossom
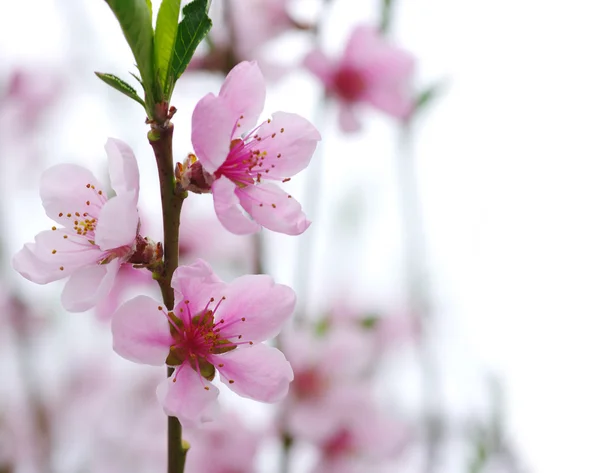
99, 233
28, 94
241, 156
213, 327
225, 445
371, 71
235, 38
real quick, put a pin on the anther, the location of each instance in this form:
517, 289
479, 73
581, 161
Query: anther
273, 135
220, 365
281, 130
88, 186
60, 214
206, 387
243, 319
65, 237
69, 215
53, 252
287, 179
53, 228
274, 206
231, 381
87, 202
160, 307
62, 268
279, 155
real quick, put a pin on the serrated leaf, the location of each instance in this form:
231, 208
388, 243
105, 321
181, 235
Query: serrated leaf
120, 85
136, 22
193, 28
164, 39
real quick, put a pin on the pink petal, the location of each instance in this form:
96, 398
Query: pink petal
122, 167
228, 210
290, 151
273, 208
28, 265
259, 372
212, 125
127, 278
141, 331
63, 189
347, 118
118, 222
264, 305
398, 103
362, 44
189, 398
321, 66
40, 263
185, 277
244, 92
88, 285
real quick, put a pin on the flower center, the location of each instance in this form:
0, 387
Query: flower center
349, 83
247, 160
196, 338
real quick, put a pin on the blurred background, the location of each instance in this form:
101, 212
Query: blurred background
448, 286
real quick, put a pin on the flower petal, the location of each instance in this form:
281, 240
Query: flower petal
259, 372
64, 191
244, 91
141, 331
228, 210
56, 254
212, 125
122, 167
199, 272
264, 305
273, 208
31, 267
289, 142
320, 65
347, 118
88, 285
118, 222
190, 398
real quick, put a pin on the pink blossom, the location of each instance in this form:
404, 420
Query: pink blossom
225, 445
370, 71
213, 327
234, 38
242, 156
99, 233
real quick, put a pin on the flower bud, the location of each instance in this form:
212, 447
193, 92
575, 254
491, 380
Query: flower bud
192, 176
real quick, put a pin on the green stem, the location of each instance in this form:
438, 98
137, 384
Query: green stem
161, 140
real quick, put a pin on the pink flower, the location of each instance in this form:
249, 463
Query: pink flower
242, 156
370, 71
213, 327
99, 233
225, 445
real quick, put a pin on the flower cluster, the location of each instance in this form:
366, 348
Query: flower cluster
213, 326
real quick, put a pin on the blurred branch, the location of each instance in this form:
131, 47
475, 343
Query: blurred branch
386, 15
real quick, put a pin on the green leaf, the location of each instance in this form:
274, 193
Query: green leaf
192, 29
136, 22
164, 40
121, 86
149, 3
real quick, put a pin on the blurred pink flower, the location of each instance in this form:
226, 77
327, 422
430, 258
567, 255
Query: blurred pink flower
241, 157
213, 327
370, 71
235, 39
225, 445
100, 233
